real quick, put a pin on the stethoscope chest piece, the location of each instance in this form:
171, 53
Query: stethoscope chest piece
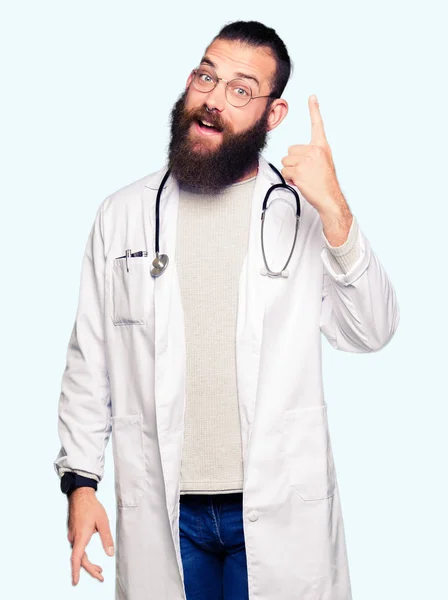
159, 264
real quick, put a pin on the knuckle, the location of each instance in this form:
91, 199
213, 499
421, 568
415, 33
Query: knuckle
103, 530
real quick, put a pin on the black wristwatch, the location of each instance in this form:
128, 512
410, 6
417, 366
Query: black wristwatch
70, 481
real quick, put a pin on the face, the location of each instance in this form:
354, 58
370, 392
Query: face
212, 158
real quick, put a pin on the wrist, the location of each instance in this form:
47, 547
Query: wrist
336, 223
82, 491
335, 209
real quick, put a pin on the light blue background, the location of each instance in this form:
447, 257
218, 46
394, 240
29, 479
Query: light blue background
82, 115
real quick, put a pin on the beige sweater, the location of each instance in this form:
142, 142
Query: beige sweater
212, 239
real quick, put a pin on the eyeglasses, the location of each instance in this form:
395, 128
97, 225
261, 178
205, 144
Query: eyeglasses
238, 91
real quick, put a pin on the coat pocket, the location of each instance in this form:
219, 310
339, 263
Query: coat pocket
131, 291
129, 459
307, 452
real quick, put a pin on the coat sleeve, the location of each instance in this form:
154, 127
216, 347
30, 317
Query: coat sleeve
84, 415
359, 310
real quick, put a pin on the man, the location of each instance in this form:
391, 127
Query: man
205, 367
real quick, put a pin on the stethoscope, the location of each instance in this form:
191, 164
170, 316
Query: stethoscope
160, 262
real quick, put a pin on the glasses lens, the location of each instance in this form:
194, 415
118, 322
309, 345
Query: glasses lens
204, 79
238, 92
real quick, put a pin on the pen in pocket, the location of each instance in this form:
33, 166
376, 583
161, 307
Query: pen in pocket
130, 254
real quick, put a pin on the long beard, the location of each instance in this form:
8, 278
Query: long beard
214, 169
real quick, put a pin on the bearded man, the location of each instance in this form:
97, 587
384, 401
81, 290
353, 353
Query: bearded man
204, 362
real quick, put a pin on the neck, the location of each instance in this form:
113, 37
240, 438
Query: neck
248, 174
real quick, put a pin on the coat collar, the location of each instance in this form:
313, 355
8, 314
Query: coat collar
264, 179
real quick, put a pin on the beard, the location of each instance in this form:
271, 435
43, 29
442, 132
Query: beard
215, 168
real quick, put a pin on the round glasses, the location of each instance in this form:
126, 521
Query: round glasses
238, 91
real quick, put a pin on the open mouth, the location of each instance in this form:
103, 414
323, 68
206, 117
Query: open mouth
206, 127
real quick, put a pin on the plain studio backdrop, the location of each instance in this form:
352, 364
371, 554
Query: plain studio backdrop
87, 89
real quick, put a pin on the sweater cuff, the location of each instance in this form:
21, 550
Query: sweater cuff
343, 257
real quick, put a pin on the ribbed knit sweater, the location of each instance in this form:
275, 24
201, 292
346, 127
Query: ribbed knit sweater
212, 241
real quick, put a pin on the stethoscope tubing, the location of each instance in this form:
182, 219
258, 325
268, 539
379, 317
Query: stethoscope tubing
160, 263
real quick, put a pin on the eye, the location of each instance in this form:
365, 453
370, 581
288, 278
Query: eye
241, 91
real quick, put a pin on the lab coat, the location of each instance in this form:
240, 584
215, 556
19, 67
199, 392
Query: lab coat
125, 379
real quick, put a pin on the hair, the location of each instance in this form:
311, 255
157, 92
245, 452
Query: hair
254, 33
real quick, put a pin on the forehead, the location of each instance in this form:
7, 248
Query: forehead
232, 58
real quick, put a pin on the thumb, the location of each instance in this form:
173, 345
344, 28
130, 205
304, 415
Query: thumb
105, 535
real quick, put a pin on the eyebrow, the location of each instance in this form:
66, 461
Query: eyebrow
208, 61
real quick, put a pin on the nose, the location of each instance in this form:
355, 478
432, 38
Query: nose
216, 99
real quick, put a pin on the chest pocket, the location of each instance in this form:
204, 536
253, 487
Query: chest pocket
132, 292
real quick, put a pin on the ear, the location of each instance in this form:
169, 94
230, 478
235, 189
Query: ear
189, 80
278, 111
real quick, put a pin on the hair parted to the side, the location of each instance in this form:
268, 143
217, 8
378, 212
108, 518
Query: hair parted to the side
256, 34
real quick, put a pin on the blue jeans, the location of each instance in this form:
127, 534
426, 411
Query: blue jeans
212, 546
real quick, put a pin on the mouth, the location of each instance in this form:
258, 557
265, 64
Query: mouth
207, 128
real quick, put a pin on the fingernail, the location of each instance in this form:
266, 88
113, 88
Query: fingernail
110, 551
315, 99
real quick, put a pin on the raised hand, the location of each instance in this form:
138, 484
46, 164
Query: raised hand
310, 168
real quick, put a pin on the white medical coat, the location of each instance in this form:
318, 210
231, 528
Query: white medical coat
125, 377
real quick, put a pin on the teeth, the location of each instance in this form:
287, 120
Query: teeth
207, 123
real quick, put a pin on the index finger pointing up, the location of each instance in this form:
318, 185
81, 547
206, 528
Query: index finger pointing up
318, 136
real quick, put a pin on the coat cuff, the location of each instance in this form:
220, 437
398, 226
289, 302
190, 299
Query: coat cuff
61, 472
342, 258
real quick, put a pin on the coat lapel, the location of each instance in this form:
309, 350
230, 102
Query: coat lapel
169, 347
253, 292
169, 202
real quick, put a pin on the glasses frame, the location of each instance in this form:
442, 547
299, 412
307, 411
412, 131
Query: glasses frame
218, 79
